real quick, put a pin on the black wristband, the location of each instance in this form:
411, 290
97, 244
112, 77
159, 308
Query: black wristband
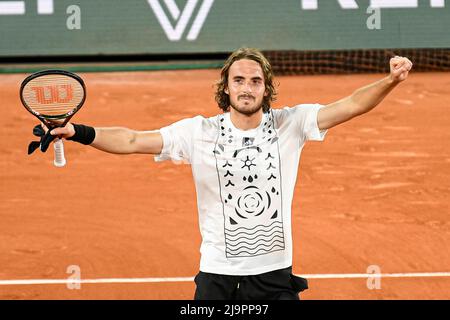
83, 134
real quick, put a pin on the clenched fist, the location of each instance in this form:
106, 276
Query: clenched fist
400, 67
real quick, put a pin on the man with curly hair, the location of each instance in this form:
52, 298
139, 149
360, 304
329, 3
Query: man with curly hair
245, 163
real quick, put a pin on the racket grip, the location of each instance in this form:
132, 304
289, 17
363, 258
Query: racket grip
60, 160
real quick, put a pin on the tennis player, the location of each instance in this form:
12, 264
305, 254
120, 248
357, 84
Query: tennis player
244, 162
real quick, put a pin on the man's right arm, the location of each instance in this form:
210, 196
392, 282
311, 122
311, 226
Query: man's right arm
119, 140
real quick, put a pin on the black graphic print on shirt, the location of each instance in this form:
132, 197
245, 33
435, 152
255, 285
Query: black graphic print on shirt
250, 185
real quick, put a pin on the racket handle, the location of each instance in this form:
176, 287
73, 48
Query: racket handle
59, 161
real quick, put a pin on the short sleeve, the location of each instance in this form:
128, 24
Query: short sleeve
178, 140
308, 122
304, 118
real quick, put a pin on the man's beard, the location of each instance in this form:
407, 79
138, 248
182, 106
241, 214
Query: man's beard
247, 112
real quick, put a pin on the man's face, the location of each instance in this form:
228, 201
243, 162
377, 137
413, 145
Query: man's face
246, 86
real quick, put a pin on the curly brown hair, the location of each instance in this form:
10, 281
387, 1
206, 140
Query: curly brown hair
223, 99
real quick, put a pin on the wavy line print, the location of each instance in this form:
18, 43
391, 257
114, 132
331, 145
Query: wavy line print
258, 242
238, 236
263, 246
263, 229
250, 229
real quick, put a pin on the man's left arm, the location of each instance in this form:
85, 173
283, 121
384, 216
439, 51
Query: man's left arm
364, 99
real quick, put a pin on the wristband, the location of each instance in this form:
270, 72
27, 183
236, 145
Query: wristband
83, 134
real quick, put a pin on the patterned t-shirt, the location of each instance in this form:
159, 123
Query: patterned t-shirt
245, 182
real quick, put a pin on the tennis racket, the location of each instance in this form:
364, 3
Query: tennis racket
53, 96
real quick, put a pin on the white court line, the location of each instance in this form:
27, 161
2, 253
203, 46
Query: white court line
190, 279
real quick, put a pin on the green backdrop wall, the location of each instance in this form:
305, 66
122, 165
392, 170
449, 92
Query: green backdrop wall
93, 27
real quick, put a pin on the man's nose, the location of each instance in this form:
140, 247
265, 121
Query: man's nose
247, 87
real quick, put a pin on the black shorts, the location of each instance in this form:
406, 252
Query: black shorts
275, 285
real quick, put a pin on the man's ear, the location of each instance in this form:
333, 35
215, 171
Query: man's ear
226, 90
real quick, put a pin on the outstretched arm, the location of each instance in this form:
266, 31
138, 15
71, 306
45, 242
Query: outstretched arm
364, 99
119, 140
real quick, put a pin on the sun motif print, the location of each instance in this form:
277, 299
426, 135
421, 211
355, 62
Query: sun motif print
249, 174
244, 182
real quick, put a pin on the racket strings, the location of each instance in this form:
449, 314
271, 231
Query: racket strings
53, 95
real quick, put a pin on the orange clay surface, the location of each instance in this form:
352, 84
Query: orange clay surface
375, 192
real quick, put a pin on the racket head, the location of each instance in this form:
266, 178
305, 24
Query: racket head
53, 96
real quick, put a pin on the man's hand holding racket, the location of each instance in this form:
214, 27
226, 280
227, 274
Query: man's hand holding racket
66, 132
47, 136
75, 132
54, 96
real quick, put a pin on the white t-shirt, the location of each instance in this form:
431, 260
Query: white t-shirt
245, 183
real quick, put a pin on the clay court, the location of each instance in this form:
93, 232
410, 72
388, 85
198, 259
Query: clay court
375, 192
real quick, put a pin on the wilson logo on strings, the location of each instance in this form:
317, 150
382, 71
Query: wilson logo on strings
53, 94
181, 18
